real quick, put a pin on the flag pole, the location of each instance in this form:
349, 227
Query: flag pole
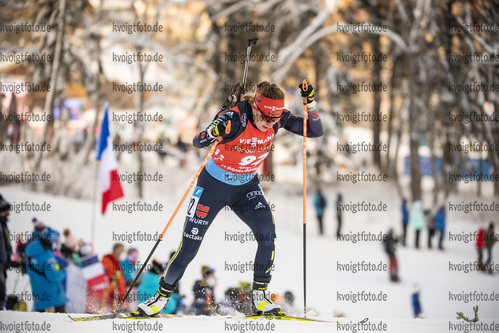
92, 226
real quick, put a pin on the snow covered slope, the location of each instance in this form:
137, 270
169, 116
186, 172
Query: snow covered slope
330, 290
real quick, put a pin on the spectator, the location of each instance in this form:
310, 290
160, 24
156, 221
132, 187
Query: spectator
320, 204
5, 250
45, 273
479, 246
228, 307
129, 265
117, 142
69, 249
182, 147
149, 285
237, 300
339, 209
416, 219
38, 229
405, 220
416, 305
430, 223
389, 242
76, 289
19, 254
440, 223
116, 290
164, 142
490, 239
204, 297
15, 131
96, 278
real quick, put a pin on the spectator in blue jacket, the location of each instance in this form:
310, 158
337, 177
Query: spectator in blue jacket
320, 204
405, 220
440, 225
149, 285
45, 273
416, 305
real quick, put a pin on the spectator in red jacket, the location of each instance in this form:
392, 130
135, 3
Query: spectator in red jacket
116, 291
479, 245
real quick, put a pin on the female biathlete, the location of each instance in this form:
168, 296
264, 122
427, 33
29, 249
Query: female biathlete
230, 179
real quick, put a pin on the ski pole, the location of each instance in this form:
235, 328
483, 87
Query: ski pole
227, 130
305, 114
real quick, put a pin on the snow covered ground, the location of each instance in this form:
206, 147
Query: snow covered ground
445, 287
433, 271
19, 322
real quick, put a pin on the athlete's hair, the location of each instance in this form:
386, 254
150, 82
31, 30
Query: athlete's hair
266, 89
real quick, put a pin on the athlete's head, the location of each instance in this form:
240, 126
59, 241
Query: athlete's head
267, 105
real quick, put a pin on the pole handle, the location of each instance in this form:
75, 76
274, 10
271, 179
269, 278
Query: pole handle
304, 87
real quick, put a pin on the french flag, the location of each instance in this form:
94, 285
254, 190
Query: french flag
110, 185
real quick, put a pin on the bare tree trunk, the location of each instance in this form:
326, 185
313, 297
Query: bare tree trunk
376, 105
414, 152
139, 105
490, 135
4, 125
388, 170
140, 108
97, 95
479, 185
446, 162
431, 117
402, 119
49, 100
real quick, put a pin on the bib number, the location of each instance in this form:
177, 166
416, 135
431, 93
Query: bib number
252, 160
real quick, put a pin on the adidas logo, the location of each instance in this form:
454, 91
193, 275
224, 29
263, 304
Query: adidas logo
259, 205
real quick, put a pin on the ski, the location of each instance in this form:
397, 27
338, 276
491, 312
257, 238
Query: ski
284, 317
130, 315
123, 315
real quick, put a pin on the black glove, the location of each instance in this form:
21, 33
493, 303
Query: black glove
309, 93
219, 130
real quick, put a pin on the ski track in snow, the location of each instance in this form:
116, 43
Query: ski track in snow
51, 322
429, 268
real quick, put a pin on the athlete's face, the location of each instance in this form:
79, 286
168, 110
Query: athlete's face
262, 122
